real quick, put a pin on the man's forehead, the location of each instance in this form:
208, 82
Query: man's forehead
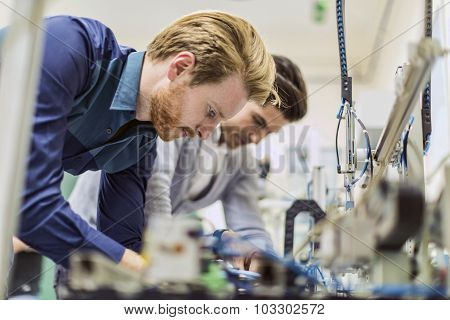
273, 116
231, 97
229, 108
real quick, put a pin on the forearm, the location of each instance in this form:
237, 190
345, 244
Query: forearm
64, 233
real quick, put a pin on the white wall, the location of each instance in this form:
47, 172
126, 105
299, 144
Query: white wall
288, 28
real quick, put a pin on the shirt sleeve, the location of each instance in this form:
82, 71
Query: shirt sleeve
158, 201
240, 205
121, 202
47, 222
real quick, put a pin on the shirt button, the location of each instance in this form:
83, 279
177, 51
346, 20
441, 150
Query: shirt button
108, 131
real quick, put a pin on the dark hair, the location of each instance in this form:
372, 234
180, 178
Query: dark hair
291, 89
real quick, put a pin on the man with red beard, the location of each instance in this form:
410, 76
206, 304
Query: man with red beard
100, 106
191, 174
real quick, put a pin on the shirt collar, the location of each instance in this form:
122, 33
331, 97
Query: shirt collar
127, 91
215, 135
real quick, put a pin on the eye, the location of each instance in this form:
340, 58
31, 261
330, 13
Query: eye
259, 122
211, 112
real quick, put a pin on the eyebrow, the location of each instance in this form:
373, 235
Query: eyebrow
259, 119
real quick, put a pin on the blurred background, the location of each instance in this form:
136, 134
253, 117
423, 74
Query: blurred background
378, 32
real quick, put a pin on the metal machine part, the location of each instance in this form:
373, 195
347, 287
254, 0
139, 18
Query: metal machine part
445, 209
93, 271
426, 94
392, 214
417, 74
407, 156
174, 250
399, 211
390, 268
308, 207
347, 243
23, 42
346, 111
319, 187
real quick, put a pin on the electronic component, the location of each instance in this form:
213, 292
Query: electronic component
173, 247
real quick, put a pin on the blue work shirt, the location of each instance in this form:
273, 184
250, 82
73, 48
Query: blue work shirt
85, 120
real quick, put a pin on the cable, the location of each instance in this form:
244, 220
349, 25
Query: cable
404, 155
340, 4
369, 146
290, 265
346, 81
426, 94
369, 159
321, 275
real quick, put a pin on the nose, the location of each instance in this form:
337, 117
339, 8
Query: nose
256, 137
207, 127
204, 132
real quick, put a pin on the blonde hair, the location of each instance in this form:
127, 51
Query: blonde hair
222, 44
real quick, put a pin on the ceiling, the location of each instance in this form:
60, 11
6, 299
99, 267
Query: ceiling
288, 27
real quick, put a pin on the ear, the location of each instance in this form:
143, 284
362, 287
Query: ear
183, 62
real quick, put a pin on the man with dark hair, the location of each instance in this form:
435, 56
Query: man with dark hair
253, 123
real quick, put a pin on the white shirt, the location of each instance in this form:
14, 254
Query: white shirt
210, 160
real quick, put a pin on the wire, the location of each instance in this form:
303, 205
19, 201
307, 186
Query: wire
339, 116
321, 275
369, 149
427, 144
369, 159
369, 146
404, 155
315, 268
291, 265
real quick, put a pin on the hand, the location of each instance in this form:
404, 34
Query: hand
20, 246
231, 239
133, 261
248, 259
252, 262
